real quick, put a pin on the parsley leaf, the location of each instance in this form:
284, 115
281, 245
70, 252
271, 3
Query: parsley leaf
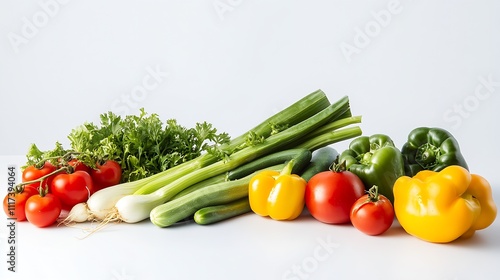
143, 144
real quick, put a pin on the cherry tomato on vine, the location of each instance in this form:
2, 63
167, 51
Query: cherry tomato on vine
330, 195
107, 174
43, 209
373, 213
32, 173
72, 188
79, 166
14, 203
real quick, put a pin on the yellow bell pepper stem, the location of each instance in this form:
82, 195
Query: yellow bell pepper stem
279, 195
440, 206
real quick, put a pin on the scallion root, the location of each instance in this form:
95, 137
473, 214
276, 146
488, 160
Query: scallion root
80, 213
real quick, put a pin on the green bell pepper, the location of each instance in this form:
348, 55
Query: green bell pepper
431, 149
376, 161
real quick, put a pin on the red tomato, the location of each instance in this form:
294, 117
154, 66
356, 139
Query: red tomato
79, 166
72, 189
14, 202
330, 195
43, 211
373, 213
32, 173
107, 174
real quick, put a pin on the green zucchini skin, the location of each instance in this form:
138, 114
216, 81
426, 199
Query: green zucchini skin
321, 161
214, 214
221, 193
185, 206
302, 158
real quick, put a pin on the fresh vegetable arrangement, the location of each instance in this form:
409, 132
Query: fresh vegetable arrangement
135, 168
119, 150
299, 135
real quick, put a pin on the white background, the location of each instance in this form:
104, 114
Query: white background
233, 63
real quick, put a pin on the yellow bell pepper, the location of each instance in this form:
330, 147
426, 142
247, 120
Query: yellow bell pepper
480, 189
279, 195
443, 206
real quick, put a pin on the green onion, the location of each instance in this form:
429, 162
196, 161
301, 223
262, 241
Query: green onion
101, 204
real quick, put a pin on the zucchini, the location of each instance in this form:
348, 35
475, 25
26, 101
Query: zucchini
185, 206
302, 158
214, 214
321, 160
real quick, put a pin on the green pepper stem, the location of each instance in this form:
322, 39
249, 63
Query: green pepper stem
366, 159
426, 155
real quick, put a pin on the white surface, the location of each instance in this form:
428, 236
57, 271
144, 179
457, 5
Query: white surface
429, 65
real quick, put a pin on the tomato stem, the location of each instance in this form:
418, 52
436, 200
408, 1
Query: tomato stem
18, 189
43, 191
373, 194
338, 167
65, 168
66, 157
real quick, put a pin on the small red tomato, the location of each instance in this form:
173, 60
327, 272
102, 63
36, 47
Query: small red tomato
72, 188
42, 209
32, 173
373, 213
78, 165
14, 203
330, 195
107, 174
